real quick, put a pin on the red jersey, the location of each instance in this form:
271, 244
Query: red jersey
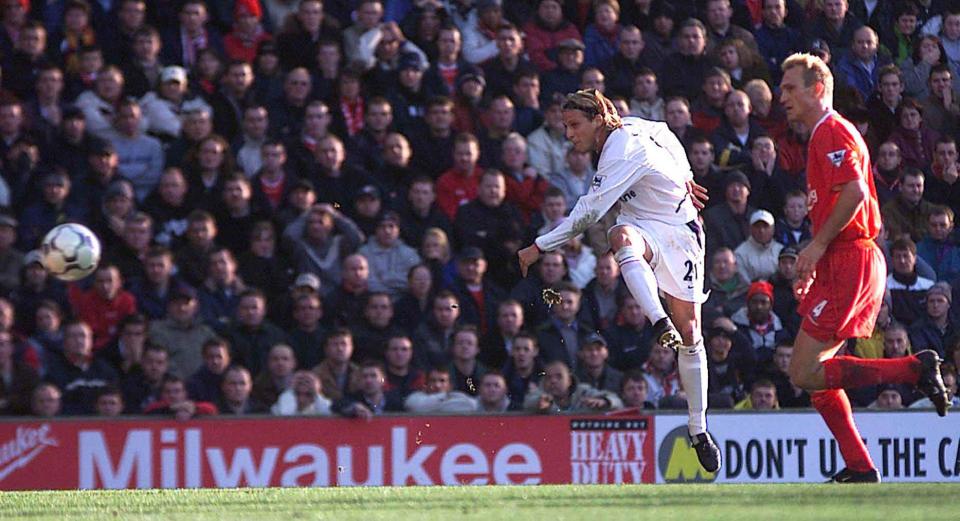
836, 155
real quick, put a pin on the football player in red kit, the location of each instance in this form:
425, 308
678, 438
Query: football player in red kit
842, 271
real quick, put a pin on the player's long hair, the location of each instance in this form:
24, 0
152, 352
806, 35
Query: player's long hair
592, 103
814, 71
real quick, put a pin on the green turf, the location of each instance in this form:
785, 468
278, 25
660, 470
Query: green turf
889, 502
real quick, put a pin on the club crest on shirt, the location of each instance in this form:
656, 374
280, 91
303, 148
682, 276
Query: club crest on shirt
836, 157
597, 181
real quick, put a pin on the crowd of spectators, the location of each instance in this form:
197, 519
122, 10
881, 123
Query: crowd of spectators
313, 207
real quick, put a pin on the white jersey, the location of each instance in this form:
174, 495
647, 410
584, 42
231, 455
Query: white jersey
644, 166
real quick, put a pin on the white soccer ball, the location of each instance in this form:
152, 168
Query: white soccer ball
70, 251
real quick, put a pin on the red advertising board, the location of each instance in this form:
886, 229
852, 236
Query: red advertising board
326, 452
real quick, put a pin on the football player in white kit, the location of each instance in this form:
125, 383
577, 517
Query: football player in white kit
657, 240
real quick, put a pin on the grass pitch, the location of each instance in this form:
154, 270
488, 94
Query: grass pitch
889, 502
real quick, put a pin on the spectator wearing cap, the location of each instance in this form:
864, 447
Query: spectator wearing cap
547, 146
140, 156
161, 108
192, 34
784, 299
11, 259
35, 286
890, 397
479, 298
728, 222
468, 98
726, 373
53, 208
510, 61
247, 34
907, 287
593, 367
938, 248
116, 205
757, 256
565, 78
409, 98
758, 322
683, 71
835, 25
389, 257
935, 329
492, 224
181, 333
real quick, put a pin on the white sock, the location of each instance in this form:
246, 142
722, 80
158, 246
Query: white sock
692, 365
642, 283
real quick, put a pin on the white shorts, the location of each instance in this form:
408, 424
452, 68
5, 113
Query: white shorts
678, 256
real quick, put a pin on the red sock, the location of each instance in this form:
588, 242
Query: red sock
850, 372
834, 406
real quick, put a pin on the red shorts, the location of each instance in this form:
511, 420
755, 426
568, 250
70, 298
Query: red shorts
846, 294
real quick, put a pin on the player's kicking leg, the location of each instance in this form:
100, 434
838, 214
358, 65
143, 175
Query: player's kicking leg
633, 255
815, 368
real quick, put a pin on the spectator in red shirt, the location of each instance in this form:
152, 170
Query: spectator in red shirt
458, 185
104, 305
173, 400
247, 33
545, 31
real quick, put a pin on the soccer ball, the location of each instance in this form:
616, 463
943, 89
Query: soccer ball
70, 251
